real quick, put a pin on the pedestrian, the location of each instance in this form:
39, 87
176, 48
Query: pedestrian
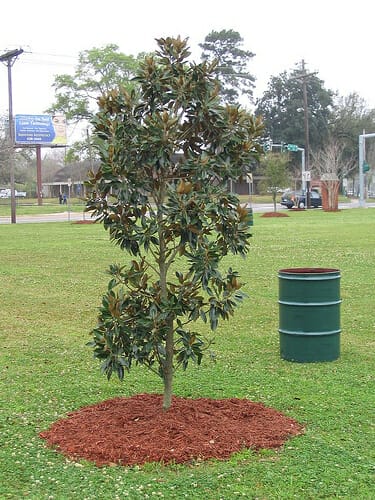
60, 198
65, 199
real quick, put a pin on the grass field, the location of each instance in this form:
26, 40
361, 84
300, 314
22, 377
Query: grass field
29, 206
52, 277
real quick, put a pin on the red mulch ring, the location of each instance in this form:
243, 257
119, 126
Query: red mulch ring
135, 430
274, 214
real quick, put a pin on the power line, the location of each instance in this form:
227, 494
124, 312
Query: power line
67, 56
47, 59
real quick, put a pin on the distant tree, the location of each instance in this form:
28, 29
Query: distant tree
232, 64
167, 156
274, 167
4, 151
22, 158
331, 165
99, 70
350, 117
282, 109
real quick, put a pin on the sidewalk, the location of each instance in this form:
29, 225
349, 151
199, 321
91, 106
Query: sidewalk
55, 217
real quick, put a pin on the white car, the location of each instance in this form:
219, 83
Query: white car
6, 193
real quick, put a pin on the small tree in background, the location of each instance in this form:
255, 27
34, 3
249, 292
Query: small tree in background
167, 157
331, 164
276, 174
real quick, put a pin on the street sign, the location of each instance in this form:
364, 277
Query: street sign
365, 167
292, 147
306, 176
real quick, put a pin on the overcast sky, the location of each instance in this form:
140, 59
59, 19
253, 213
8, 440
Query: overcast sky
335, 38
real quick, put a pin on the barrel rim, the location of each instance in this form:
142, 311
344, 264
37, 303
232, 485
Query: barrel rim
309, 270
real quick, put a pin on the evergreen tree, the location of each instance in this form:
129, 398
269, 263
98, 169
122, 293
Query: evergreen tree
232, 64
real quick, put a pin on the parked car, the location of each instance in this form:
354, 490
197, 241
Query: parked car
6, 193
292, 199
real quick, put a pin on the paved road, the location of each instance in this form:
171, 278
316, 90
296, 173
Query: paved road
74, 216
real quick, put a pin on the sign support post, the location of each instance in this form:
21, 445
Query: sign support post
39, 174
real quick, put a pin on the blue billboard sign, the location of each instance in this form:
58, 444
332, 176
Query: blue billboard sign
40, 129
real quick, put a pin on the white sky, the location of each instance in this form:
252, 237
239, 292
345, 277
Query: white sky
334, 37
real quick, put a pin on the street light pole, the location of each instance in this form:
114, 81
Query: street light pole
362, 156
9, 58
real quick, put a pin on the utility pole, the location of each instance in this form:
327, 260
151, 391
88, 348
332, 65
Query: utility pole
304, 77
9, 58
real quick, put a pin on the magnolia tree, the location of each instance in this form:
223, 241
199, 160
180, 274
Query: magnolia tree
167, 155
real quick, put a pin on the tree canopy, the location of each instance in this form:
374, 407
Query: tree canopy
224, 47
21, 159
99, 70
282, 109
167, 154
275, 172
350, 117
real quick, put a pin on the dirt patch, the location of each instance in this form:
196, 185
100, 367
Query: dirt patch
274, 214
135, 430
84, 222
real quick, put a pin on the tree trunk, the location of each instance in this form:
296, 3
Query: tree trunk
168, 369
163, 271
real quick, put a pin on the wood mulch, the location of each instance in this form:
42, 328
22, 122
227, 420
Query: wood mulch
274, 214
135, 430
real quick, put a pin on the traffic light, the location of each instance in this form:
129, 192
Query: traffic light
365, 167
267, 146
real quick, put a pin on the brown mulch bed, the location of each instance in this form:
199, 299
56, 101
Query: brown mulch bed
274, 214
135, 430
84, 221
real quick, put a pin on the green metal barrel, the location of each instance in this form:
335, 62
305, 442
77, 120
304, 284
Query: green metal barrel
309, 314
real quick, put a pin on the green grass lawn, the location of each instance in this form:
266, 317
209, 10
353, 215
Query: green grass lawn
52, 277
29, 206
